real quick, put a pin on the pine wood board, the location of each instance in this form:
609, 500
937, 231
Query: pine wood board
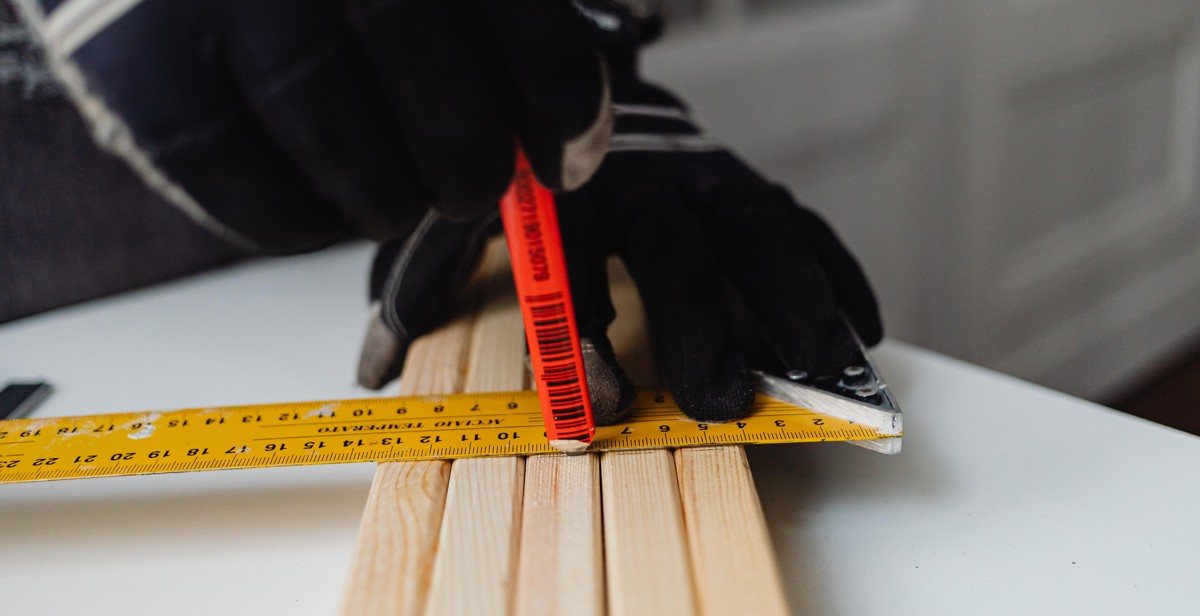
644, 540
561, 570
645, 549
391, 569
477, 549
733, 563
476, 560
619, 533
397, 539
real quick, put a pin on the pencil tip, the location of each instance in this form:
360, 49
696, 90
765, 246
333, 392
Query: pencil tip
570, 447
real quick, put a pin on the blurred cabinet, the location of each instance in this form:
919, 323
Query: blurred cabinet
1018, 176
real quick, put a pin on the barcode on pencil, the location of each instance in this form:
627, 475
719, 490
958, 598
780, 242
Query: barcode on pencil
559, 374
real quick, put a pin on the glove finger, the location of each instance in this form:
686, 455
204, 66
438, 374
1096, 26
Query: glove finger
412, 284
719, 204
561, 96
846, 276
609, 387
766, 244
671, 260
178, 122
447, 91
310, 89
383, 351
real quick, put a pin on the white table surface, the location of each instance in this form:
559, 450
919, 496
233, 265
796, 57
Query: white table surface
1008, 498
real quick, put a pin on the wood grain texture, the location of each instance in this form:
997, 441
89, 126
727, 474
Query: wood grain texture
646, 558
477, 548
645, 547
733, 564
535, 537
397, 540
476, 560
497, 352
561, 567
561, 570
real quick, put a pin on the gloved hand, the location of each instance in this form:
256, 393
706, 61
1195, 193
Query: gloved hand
720, 257
280, 124
413, 280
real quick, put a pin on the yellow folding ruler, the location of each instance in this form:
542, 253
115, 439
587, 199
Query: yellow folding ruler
380, 429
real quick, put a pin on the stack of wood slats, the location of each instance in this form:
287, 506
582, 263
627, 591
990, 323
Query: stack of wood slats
654, 532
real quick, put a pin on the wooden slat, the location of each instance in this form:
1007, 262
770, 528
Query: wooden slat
562, 566
561, 570
476, 559
497, 354
648, 567
478, 545
392, 565
397, 540
733, 564
435, 363
645, 548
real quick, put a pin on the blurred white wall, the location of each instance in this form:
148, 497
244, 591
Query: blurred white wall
1018, 176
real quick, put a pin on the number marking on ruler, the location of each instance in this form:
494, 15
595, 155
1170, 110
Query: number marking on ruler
374, 429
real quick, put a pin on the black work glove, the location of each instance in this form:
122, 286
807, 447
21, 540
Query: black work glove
413, 282
733, 273
282, 124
